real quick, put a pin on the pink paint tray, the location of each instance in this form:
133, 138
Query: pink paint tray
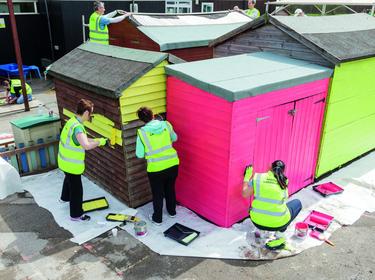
328, 189
318, 221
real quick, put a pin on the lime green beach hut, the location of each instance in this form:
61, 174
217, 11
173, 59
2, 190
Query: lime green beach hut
345, 43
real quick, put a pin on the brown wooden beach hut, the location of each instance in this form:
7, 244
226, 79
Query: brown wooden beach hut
118, 81
184, 35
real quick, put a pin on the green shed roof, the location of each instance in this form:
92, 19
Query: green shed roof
103, 69
32, 121
179, 37
241, 76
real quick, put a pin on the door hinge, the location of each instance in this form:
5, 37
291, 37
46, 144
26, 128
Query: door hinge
262, 118
320, 100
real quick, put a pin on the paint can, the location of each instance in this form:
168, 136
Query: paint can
140, 228
301, 230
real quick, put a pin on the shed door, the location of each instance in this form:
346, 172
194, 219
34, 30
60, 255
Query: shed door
304, 141
273, 133
290, 132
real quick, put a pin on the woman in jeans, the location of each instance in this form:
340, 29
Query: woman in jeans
269, 210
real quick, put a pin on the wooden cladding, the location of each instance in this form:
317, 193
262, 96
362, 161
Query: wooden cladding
116, 169
267, 38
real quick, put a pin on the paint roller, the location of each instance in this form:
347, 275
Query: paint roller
319, 220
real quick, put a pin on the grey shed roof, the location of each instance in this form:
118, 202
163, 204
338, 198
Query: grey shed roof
241, 76
337, 38
178, 31
105, 70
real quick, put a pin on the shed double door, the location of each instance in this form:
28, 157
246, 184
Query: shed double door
290, 132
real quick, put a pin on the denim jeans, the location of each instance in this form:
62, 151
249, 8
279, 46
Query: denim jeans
20, 99
294, 207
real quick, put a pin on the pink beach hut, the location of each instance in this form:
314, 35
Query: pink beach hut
232, 111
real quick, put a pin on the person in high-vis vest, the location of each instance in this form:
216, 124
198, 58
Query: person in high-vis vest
251, 12
98, 23
71, 157
14, 91
269, 210
154, 143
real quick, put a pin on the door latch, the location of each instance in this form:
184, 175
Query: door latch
292, 112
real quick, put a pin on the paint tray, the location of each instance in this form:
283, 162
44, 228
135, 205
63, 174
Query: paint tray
182, 234
328, 189
99, 203
318, 220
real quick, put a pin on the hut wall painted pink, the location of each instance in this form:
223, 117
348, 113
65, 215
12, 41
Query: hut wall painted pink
218, 138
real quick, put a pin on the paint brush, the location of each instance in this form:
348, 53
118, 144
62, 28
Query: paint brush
321, 237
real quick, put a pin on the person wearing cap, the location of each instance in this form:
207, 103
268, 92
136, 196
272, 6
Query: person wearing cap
299, 13
269, 210
98, 23
14, 91
71, 158
251, 12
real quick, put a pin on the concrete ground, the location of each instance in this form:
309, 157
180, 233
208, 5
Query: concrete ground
33, 246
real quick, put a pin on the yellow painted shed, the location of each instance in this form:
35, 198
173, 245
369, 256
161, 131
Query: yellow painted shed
118, 81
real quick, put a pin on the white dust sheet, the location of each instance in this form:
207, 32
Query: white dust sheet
46, 190
357, 179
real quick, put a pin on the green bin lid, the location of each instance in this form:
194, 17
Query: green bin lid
32, 121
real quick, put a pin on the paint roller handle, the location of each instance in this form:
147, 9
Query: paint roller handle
248, 173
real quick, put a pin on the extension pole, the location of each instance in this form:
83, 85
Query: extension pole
17, 50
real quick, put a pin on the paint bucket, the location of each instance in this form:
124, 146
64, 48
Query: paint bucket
301, 230
140, 228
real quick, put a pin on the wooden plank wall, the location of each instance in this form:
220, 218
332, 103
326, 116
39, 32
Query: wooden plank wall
268, 38
105, 166
138, 186
125, 34
193, 54
149, 90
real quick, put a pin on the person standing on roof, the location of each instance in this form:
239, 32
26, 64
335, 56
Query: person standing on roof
154, 142
251, 12
71, 157
14, 91
269, 210
98, 23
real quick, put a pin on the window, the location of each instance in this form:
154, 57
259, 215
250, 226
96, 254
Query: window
207, 7
178, 6
20, 7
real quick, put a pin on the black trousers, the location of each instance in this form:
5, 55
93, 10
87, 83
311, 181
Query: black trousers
72, 191
162, 185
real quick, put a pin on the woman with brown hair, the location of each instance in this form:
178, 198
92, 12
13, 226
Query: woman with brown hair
154, 143
71, 157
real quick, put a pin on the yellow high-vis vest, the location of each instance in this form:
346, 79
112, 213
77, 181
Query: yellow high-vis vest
159, 152
98, 35
17, 83
269, 208
71, 157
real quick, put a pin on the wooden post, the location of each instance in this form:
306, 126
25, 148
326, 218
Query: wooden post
17, 50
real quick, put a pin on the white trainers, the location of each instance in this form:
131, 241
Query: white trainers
62, 201
152, 221
172, 216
